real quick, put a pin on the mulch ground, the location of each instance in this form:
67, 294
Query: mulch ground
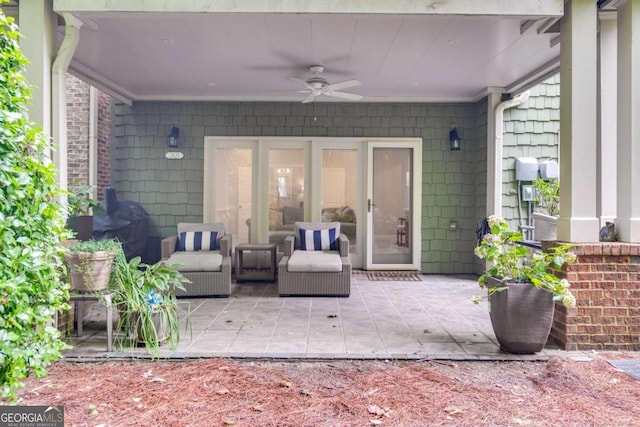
222, 392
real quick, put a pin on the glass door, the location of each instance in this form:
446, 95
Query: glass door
233, 197
286, 192
393, 207
339, 201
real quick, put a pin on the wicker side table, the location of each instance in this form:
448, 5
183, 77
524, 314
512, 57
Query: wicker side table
261, 274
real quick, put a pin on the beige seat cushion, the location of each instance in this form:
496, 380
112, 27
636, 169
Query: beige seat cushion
197, 261
315, 261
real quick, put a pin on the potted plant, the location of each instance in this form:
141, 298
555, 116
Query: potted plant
81, 207
545, 217
145, 299
89, 263
522, 287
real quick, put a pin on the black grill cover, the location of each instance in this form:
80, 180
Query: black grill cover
128, 222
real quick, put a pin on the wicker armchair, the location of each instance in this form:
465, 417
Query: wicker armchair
314, 272
208, 270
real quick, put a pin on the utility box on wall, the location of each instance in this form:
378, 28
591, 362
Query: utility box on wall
549, 170
526, 169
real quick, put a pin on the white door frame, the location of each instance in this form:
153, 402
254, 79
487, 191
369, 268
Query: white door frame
415, 144
313, 181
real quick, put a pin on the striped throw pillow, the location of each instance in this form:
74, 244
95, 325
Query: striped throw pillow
198, 241
319, 240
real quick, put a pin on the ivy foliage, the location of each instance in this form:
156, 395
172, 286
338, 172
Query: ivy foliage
31, 228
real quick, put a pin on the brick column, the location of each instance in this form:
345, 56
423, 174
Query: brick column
605, 280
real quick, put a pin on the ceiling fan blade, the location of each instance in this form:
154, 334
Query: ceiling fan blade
309, 98
344, 95
302, 82
344, 85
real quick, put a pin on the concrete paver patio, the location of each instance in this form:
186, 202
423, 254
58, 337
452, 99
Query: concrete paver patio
434, 318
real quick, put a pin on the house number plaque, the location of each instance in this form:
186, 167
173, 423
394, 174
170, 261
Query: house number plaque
174, 155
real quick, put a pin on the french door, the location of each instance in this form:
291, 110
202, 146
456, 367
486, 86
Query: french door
393, 205
259, 186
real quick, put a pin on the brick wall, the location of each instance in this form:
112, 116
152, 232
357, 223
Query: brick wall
77, 132
104, 136
606, 283
78, 111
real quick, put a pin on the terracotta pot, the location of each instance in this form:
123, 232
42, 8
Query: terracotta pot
89, 271
521, 316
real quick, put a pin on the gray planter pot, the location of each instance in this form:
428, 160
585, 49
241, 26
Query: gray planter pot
157, 321
521, 316
89, 271
545, 227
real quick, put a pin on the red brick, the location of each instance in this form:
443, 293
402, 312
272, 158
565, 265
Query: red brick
628, 302
629, 267
620, 347
605, 267
604, 285
575, 320
618, 293
603, 320
625, 339
581, 338
572, 329
589, 259
616, 311
580, 284
587, 329
590, 293
571, 277
592, 276
628, 320
603, 302
601, 338
615, 329
634, 293
615, 276
582, 267
627, 285
617, 259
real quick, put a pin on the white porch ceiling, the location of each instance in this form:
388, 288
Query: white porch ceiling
248, 56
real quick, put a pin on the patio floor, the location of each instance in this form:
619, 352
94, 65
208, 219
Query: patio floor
429, 319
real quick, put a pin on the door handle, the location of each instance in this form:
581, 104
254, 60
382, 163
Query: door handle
369, 205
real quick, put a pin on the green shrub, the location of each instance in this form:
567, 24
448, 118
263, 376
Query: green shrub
31, 227
547, 196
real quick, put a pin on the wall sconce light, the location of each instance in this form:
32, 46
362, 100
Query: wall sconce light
172, 138
454, 139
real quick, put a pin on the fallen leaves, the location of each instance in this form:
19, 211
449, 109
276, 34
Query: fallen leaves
222, 391
340, 393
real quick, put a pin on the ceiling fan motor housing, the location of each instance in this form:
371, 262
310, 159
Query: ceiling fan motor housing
317, 82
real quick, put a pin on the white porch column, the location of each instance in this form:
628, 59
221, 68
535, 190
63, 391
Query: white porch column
37, 23
578, 148
628, 222
607, 135
494, 158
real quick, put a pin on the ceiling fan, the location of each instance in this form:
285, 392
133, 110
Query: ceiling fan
317, 86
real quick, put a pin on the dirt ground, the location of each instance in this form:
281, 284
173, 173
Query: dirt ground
222, 392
